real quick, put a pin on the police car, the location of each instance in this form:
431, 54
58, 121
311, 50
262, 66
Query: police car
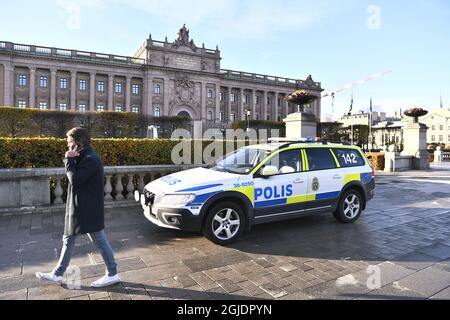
259, 184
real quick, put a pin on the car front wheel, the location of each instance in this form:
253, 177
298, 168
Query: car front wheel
224, 223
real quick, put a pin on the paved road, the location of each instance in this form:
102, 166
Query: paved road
403, 236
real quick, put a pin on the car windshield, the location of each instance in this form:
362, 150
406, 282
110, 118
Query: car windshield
241, 161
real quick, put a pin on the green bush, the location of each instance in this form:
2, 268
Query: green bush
49, 152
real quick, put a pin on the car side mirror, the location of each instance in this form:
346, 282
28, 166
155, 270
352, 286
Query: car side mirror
268, 171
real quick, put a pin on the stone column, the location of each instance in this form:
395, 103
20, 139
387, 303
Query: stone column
32, 97
264, 109
275, 105
128, 95
9, 85
166, 96
147, 96
73, 89
253, 104
110, 92
285, 105
217, 102
203, 98
92, 92
53, 85
228, 113
240, 115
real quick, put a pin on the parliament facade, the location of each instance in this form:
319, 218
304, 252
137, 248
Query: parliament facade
162, 79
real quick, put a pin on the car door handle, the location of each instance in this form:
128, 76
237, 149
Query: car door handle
299, 181
337, 176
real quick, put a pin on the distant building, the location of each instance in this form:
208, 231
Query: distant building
386, 133
362, 119
438, 122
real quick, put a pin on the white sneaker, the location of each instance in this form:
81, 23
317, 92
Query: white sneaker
105, 281
49, 276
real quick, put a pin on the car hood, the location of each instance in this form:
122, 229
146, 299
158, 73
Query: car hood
198, 180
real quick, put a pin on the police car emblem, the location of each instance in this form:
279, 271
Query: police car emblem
315, 184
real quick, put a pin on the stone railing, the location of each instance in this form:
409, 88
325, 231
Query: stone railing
440, 156
69, 54
41, 189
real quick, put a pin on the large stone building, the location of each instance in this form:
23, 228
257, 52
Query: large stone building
161, 79
438, 123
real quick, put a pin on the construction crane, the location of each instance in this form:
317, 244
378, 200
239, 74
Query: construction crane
351, 85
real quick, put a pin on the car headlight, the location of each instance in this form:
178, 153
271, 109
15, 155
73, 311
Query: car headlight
177, 198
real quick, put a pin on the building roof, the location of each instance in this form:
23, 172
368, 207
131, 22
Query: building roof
443, 112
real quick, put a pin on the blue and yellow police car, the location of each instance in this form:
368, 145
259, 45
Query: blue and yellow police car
260, 184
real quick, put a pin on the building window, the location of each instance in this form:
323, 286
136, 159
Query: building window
221, 96
221, 117
82, 107
209, 116
135, 109
257, 116
269, 100
118, 108
22, 104
42, 105
257, 99
157, 89
100, 107
135, 89
210, 94
232, 117
441, 138
63, 106
232, 97
268, 117
279, 102
22, 80
118, 87
245, 98
63, 83
157, 112
101, 86
433, 138
433, 128
82, 85
43, 81
441, 127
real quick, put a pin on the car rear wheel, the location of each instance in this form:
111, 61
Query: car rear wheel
224, 223
350, 207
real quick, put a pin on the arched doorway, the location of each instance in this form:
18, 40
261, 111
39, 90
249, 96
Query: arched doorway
184, 114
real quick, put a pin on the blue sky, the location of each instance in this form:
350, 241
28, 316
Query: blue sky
337, 42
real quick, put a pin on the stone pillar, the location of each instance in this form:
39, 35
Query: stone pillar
264, 109
92, 92
300, 125
128, 95
32, 97
240, 115
110, 106
415, 138
53, 86
147, 98
285, 105
203, 102
217, 102
9, 85
228, 109
166, 96
252, 104
275, 105
73, 89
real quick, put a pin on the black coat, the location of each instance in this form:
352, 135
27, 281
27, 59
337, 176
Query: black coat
85, 194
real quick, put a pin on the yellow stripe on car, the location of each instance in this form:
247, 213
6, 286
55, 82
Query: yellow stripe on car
299, 199
338, 165
248, 191
352, 177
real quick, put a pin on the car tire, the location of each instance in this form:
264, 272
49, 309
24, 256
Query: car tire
224, 223
350, 207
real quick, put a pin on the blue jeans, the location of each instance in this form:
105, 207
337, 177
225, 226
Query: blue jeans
99, 239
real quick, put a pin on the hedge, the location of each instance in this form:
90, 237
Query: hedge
49, 152
377, 160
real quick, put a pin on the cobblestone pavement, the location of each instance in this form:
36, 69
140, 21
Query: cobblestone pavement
405, 233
